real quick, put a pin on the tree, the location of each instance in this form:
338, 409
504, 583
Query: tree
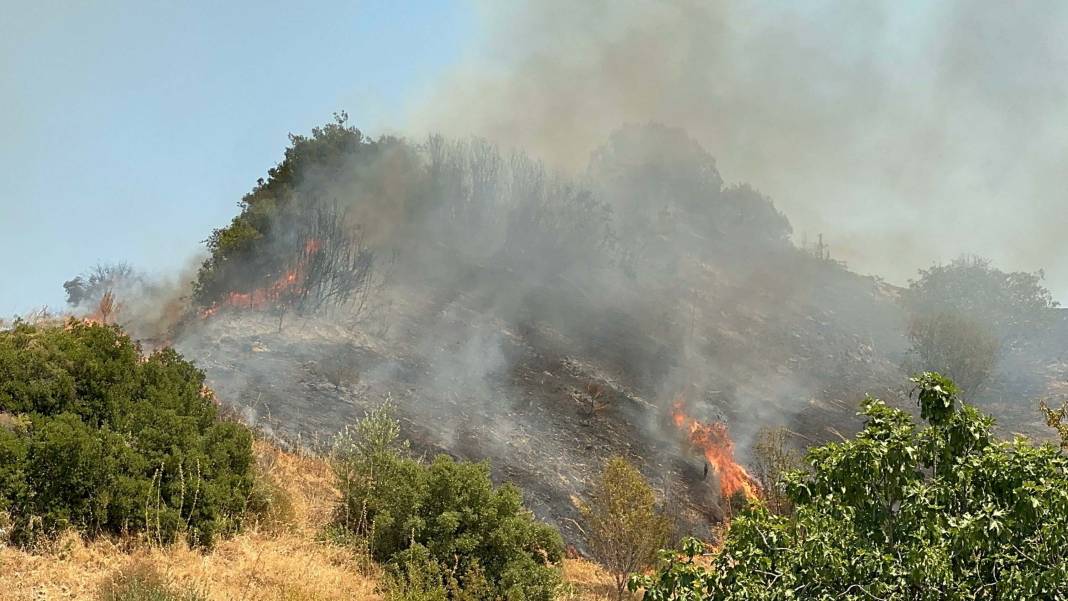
88, 289
276, 217
624, 529
1012, 304
955, 344
898, 512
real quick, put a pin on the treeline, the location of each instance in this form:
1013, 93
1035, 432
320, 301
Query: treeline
648, 193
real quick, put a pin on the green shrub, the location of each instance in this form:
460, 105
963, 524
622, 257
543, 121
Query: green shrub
441, 526
108, 441
141, 582
946, 512
269, 504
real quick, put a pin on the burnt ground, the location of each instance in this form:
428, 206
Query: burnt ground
548, 396
555, 421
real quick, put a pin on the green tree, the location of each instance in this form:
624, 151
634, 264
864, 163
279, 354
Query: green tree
291, 224
624, 528
898, 512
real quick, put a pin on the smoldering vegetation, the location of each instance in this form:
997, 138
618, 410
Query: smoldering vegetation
539, 319
909, 135
547, 320
148, 306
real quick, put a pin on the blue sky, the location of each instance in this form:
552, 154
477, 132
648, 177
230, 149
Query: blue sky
130, 130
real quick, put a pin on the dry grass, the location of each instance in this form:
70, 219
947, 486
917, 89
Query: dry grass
265, 563
268, 562
587, 581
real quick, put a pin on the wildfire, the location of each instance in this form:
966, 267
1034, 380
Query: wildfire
289, 284
714, 441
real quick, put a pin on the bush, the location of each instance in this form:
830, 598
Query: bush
946, 512
269, 504
106, 440
142, 582
624, 527
442, 523
1058, 420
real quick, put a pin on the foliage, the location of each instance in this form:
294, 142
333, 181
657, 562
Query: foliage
416, 576
1058, 420
772, 459
292, 220
1012, 304
106, 440
441, 526
944, 512
624, 529
962, 347
142, 582
355, 199
269, 504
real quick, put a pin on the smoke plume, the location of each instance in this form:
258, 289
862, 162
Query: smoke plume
905, 134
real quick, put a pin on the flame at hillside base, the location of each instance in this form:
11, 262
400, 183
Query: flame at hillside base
288, 286
714, 442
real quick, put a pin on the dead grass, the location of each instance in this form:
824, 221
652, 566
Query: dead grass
587, 581
266, 563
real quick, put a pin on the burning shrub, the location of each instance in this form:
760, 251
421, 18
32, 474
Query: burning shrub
293, 247
624, 527
113, 442
442, 528
945, 512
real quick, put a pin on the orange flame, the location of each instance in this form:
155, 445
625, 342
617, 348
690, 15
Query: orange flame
714, 441
288, 283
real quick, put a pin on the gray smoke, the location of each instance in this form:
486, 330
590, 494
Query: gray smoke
907, 134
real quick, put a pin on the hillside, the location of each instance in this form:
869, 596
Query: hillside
554, 403
539, 320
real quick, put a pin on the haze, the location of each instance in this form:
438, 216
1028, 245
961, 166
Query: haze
905, 133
